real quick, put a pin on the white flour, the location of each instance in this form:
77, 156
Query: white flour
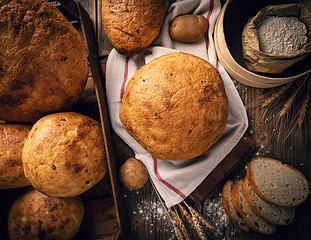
281, 35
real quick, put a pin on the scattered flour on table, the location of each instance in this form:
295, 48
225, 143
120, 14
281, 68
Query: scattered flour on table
281, 35
152, 211
215, 213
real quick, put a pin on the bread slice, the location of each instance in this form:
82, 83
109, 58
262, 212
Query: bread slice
276, 182
251, 219
271, 212
229, 207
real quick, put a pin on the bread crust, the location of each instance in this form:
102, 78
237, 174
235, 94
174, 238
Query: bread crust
64, 154
255, 209
43, 61
251, 179
34, 215
255, 187
225, 203
132, 26
175, 106
249, 200
12, 138
237, 204
260, 224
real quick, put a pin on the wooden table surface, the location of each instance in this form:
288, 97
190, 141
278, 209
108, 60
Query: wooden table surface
150, 219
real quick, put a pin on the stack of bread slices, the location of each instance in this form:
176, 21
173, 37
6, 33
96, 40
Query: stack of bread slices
266, 197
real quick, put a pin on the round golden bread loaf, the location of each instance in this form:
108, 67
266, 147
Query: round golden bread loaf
175, 106
35, 216
132, 26
43, 61
64, 154
12, 137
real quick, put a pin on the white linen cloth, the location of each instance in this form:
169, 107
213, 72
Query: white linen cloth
175, 180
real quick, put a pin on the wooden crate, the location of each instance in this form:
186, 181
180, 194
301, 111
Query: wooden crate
105, 211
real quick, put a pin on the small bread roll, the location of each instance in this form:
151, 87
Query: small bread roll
12, 137
64, 154
34, 216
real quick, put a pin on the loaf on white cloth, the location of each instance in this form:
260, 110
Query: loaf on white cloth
175, 180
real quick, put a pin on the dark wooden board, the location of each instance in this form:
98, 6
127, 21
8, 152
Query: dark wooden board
223, 169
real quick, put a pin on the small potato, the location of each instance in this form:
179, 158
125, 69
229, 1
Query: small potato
133, 174
188, 28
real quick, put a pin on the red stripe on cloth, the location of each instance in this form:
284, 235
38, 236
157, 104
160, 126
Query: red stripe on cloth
210, 11
126, 71
155, 163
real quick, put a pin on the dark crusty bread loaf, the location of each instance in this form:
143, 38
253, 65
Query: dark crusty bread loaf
229, 207
132, 26
251, 219
64, 154
34, 215
175, 106
43, 61
276, 182
12, 137
274, 213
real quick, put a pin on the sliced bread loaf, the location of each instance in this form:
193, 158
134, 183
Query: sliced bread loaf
271, 212
251, 219
229, 207
276, 182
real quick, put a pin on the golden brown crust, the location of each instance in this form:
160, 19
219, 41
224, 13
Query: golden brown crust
225, 202
249, 200
236, 202
34, 215
64, 154
43, 61
12, 137
132, 26
175, 106
255, 209
252, 181
226, 205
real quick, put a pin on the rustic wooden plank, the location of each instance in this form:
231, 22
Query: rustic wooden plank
223, 169
91, 42
91, 8
100, 219
104, 45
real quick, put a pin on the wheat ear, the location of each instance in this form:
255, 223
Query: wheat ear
284, 111
204, 229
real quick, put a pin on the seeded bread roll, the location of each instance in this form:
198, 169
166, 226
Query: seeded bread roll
64, 154
132, 26
35, 216
229, 207
251, 219
43, 61
175, 106
12, 137
276, 182
273, 213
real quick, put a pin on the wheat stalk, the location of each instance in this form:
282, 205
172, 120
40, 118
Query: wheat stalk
283, 111
182, 232
188, 223
204, 229
187, 218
